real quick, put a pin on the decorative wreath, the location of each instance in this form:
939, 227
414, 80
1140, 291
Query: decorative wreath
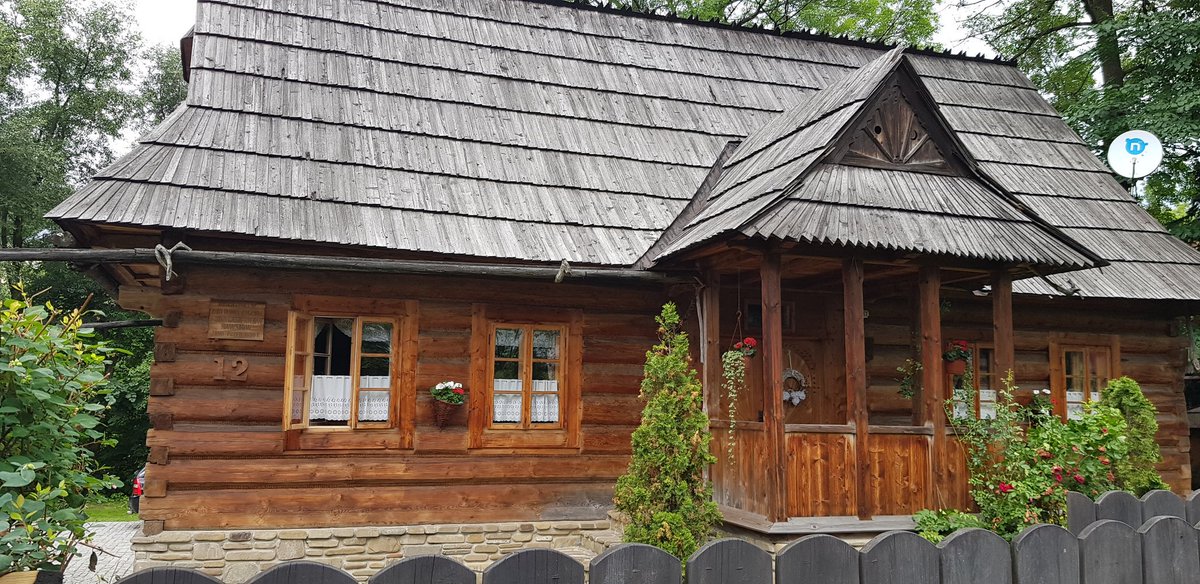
799, 395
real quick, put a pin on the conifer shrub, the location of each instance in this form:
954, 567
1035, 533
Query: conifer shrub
1136, 471
664, 495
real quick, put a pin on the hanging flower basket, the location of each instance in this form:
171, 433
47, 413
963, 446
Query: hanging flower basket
448, 396
957, 354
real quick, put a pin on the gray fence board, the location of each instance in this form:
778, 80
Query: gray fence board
729, 561
1170, 554
1081, 512
302, 572
635, 563
535, 566
1193, 508
1162, 503
424, 570
1110, 552
167, 575
899, 557
975, 556
1120, 506
1045, 554
817, 559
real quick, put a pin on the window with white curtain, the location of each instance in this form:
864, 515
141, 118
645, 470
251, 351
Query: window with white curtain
340, 371
526, 376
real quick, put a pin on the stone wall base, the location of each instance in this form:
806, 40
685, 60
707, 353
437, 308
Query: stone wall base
236, 556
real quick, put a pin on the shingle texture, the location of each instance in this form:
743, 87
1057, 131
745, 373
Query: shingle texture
516, 130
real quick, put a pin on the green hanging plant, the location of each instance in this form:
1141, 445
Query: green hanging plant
733, 374
910, 378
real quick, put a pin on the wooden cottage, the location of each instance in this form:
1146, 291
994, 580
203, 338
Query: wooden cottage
374, 196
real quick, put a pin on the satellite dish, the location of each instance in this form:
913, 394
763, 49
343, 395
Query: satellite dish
1135, 154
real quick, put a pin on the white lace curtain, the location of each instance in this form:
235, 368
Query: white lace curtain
331, 398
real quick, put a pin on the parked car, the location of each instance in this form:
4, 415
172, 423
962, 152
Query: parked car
135, 498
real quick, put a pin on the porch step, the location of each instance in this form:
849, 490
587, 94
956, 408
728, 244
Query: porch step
599, 541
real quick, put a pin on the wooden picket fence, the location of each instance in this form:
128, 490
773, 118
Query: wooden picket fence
1164, 550
1124, 507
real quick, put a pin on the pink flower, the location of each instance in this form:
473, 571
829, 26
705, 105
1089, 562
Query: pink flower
1079, 479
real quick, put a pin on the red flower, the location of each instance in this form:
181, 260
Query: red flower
1079, 479
1057, 478
1104, 460
1104, 430
750, 342
737, 345
459, 391
1004, 487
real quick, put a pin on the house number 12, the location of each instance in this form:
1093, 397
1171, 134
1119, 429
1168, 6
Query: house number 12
231, 370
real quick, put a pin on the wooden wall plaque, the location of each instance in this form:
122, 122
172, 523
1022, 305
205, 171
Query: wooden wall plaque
236, 320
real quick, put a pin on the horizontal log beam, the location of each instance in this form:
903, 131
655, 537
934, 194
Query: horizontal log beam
183, 257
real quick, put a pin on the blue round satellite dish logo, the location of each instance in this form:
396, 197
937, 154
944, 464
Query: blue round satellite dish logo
1135, 146
1135, 154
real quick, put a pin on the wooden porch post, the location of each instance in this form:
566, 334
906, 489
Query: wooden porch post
772, 360
933, 381
1002, 323
856, 375
710, 301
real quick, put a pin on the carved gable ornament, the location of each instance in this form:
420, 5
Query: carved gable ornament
892, 136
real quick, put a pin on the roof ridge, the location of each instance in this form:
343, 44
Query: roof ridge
805, 34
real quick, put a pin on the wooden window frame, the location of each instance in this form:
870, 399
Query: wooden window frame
397, 432
525, 362
1060, 345
977, 374
563, 435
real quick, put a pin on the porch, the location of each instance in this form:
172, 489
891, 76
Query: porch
807, 448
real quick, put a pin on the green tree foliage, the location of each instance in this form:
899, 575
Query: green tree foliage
1115, 66
911, 21
162, 88
1136, 471
51, 377
125, 420
664, 494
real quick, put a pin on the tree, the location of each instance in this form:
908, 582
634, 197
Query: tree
1136, 472
910, 21
66, 75
666, 499
1110, 67
162, 88
51, 378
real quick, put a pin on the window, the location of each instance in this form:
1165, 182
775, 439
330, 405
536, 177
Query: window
1085, 371
341, 371
525, 376
983, 363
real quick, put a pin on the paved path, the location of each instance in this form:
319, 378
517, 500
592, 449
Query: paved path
112, 537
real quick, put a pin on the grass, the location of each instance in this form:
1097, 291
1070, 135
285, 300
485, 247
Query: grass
114, 509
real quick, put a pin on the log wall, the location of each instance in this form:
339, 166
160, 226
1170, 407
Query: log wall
220, 458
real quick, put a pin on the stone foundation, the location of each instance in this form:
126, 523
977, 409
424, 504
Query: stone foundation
236, 556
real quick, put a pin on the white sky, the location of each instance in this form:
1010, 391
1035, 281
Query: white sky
165, 21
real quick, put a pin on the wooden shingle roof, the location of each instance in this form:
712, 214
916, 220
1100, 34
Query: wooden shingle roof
538, 131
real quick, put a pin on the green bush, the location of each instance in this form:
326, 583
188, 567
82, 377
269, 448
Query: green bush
1136, 471
664, 495
937, 525
1019, 473
51, 376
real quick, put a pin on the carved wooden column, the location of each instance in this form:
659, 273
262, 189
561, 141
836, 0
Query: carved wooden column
856, 375
1002, 324
772, 360
933, 381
